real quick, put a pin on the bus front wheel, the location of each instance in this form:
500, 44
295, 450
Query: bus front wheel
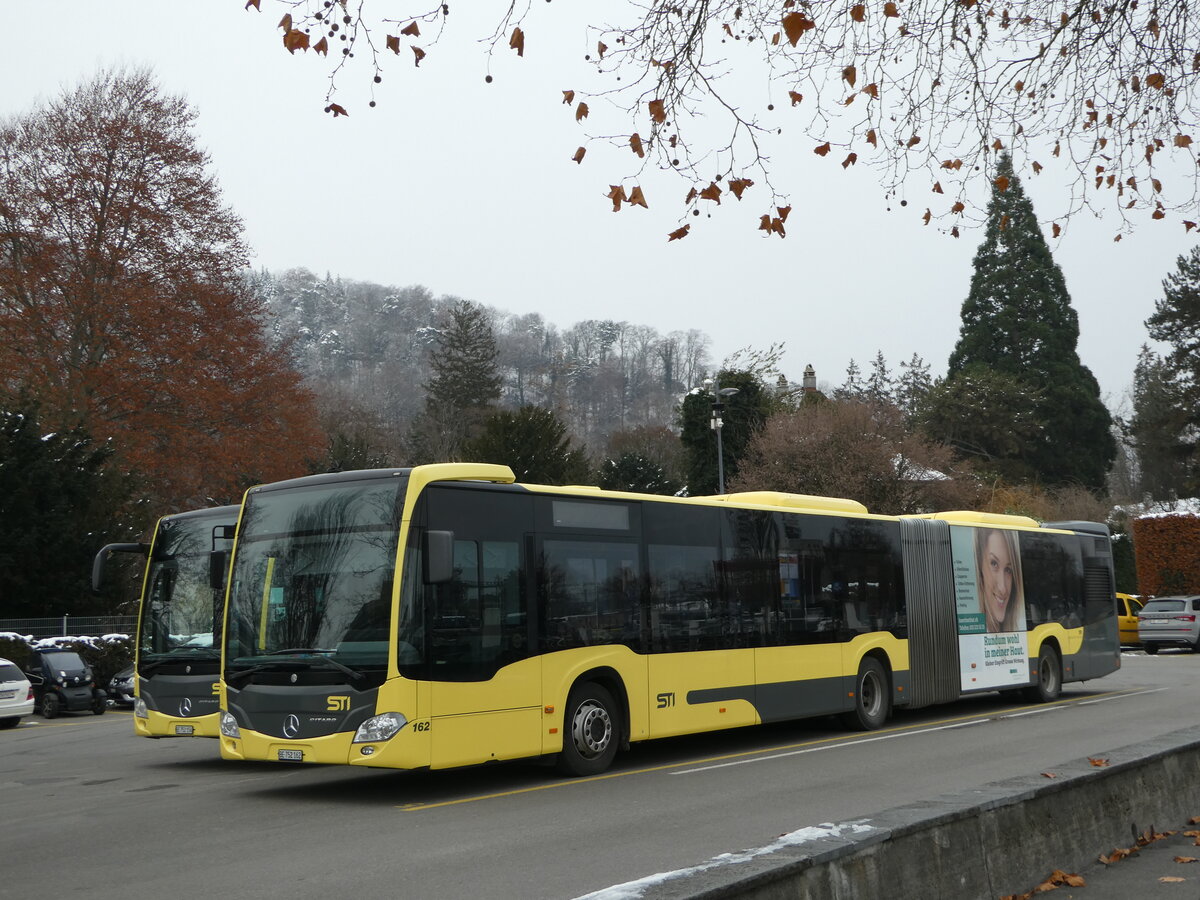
1048, 685
590, 735
872, 698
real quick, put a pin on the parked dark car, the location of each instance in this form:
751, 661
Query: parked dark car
120, 689
63, 681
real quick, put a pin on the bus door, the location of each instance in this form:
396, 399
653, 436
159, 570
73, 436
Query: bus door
485, 696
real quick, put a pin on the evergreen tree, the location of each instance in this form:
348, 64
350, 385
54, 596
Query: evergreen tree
533, 443
634, 472
1018, 321
1167, 391
743, 416
1162, 429
464, 385
852, 388
913, 385
880, 388
57, 503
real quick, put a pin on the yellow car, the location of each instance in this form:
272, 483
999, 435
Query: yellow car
1127, 618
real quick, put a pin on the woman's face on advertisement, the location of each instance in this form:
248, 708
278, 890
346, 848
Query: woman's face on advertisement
997, 577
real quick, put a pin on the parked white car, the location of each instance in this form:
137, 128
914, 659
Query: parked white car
1170, 622
16, 694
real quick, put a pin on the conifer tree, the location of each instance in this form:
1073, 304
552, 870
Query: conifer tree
1017, 321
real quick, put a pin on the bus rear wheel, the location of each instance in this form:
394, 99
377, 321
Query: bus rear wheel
872, 698
590, 735
1048, 685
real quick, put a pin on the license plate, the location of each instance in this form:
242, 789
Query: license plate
291, 756
185, 729
4, 695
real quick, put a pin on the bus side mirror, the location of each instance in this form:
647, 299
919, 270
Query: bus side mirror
217, 562
438, 552
223, 533
102, 558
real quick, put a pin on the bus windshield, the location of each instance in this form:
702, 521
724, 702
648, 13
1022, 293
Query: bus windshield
181, 613
311, 584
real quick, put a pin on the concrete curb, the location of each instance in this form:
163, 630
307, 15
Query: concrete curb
1004, 838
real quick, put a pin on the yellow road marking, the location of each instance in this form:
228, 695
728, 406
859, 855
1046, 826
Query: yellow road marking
418, 807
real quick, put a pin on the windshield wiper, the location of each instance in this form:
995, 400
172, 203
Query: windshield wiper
298, 663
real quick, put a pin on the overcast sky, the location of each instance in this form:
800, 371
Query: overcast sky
469, 189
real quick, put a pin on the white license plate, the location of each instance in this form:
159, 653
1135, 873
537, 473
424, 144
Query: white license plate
185, 729
4, 695
291, 756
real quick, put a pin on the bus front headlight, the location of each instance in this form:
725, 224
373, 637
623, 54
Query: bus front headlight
229, 725
382, 727
139, 708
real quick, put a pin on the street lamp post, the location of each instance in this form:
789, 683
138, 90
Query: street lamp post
716, 423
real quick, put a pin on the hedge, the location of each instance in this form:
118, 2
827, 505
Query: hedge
1167, 552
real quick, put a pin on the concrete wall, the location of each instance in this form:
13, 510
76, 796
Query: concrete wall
1002, 839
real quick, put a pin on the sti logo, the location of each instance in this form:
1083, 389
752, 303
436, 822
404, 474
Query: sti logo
337, 703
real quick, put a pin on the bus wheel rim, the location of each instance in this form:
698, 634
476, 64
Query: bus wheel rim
870, 694
592, 729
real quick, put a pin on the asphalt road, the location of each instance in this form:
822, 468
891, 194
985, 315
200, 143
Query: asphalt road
90, 809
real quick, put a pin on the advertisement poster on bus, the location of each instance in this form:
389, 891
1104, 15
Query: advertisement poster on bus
993, 649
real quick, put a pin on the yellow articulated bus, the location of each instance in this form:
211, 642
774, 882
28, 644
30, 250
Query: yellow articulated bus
445, 616
178, 650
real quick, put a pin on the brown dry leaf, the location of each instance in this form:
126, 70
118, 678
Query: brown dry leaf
692, 195
764, 223
796, 98
1182, 140
712, 192
858, 12
1117, 239
954, 231
822, 150
418, 55
954, 164
1049, 775
1098, 762
322, 47
1195, 820
658, 111
1157, 185
411, 30
997, 144
295, 40
912, 142
578, 157
937, 188
1118, 854
1056, 229
616, 193
581, 111
601, 48
568, 97
890, 10
1187, 859
872, 91
517, 41
739, 185
872, 139
285, 23
1001, 183
849, 160
1156, 80
637, 198
783, 212
250, 3
1037, 167
678, 234
794, 26
1158, 214
337, 110
393, 43
1171, 879
1188, 226
635, 143
928, 215
850, 75
957, 207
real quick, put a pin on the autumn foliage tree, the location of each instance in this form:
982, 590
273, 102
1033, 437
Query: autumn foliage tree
1103, 95
123, 310
858, 450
